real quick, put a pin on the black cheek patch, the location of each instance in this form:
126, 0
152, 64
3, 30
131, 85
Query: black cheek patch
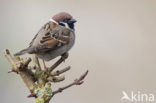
61, 24
71, 25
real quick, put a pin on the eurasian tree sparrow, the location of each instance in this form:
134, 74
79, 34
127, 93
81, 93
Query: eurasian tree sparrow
54, 39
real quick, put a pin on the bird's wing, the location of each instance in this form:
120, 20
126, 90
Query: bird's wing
48, 38
57, 37
43, 30
53, 39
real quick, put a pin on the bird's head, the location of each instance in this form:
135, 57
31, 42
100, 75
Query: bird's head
64, 19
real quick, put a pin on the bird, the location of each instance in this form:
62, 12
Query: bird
54, 39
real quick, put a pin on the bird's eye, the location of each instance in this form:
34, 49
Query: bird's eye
61, 24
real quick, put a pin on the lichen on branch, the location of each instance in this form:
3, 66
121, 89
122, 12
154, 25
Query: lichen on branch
39, 80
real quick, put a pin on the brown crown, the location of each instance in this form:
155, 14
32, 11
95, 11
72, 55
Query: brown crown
61, 16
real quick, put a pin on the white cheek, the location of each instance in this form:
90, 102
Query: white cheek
53, 21
66, 25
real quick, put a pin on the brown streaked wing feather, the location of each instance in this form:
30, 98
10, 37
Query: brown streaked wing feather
46, 27
58, 37
55, 37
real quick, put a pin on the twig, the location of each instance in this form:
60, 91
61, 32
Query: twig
39, 80
9, 58
56, 64
56, 79
36, 63
63, 57
20, 66
58, 72
76, 82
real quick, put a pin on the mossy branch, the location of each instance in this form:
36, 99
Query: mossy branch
39, 80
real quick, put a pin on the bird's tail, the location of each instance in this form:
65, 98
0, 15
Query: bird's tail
27, 50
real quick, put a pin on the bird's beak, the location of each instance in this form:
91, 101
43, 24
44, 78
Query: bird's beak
72, 21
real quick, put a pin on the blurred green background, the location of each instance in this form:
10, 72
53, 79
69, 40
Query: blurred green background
115, 41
